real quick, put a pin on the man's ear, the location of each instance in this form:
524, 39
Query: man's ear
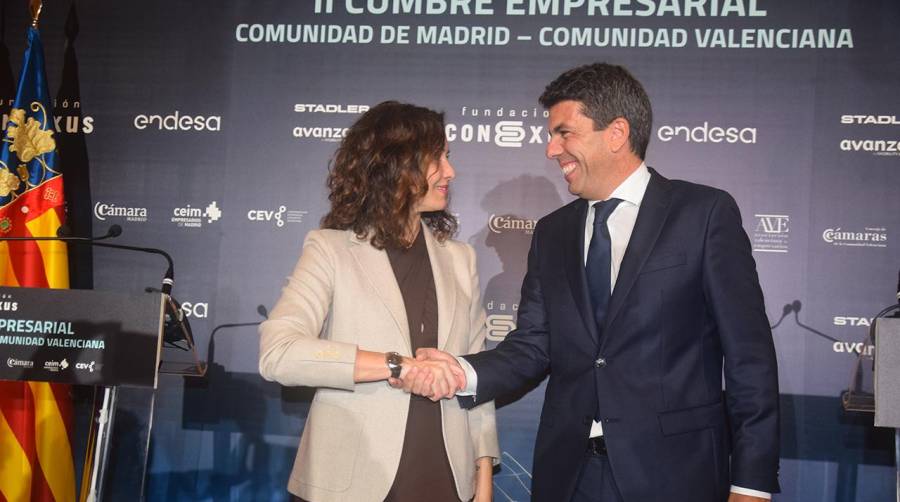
617, 134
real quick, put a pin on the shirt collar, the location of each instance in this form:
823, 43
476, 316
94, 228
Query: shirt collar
633, 188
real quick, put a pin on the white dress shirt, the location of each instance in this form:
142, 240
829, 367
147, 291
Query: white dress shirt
620, 225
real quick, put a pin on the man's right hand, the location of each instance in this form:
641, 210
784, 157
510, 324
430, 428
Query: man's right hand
433, 374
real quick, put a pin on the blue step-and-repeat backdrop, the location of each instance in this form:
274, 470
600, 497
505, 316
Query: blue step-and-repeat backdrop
206, 128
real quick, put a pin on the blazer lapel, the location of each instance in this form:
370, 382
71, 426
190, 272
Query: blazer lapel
376, 267
649, 224
444, 285
573, 248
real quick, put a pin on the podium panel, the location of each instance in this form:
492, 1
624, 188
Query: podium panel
80, 336
887, 372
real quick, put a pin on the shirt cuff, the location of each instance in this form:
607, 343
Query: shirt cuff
471, 378
752, 493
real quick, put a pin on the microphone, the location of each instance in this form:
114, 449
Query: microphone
115, 231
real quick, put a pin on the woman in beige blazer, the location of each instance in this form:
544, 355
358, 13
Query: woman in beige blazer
380, 279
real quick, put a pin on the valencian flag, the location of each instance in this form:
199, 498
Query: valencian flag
35, 417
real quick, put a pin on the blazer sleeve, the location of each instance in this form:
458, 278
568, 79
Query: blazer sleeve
524, 356
290, 350
732, 291
482, 418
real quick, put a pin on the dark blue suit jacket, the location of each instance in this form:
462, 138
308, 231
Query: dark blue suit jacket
687, 310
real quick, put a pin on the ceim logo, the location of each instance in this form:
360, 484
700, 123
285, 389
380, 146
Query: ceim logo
102, 211
178, 122
193, 216
506, 223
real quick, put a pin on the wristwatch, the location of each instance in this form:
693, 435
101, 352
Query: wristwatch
394, 363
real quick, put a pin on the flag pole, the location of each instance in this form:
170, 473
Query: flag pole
35, 6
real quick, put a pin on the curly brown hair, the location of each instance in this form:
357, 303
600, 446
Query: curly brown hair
379, 173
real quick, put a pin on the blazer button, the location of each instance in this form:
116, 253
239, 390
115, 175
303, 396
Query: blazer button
600, 362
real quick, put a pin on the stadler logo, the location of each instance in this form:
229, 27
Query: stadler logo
869, 237
178, 122
320, 108
707, 134
506, 223
278, 217
102, 211
86, 366
842, 320
771, 233
870, 119
193, 216
12, 362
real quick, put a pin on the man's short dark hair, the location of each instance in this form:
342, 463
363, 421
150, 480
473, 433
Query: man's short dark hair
606, 92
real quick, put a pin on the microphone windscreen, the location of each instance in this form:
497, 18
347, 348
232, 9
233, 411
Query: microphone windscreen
64, 231
115, 230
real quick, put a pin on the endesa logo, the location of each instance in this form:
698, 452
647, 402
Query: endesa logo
177, 121
706, 133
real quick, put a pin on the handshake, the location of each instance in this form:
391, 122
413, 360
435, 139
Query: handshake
433, 374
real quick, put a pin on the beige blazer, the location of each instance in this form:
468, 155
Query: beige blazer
343, 295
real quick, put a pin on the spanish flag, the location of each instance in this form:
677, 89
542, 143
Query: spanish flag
35, 417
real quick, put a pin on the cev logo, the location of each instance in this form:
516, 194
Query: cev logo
265, 215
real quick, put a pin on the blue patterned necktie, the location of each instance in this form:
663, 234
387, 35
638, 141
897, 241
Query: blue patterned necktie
597, 267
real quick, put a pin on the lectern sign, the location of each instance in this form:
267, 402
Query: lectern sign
79, 336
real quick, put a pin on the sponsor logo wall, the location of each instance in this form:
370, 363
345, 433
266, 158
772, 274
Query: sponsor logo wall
212, 139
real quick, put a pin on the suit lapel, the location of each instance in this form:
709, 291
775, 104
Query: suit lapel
574, 262
444, 285
649, 224
376, 268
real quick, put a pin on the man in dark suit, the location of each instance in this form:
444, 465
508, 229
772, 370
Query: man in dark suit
640, 296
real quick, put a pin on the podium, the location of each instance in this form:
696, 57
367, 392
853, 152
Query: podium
873, 385
98, 338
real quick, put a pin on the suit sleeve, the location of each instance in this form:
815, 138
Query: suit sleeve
524, 356
482, 418
732, 291
290, 350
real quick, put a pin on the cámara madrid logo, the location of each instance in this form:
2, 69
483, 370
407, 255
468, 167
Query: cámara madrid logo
508, 223
103, 210
178, 121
